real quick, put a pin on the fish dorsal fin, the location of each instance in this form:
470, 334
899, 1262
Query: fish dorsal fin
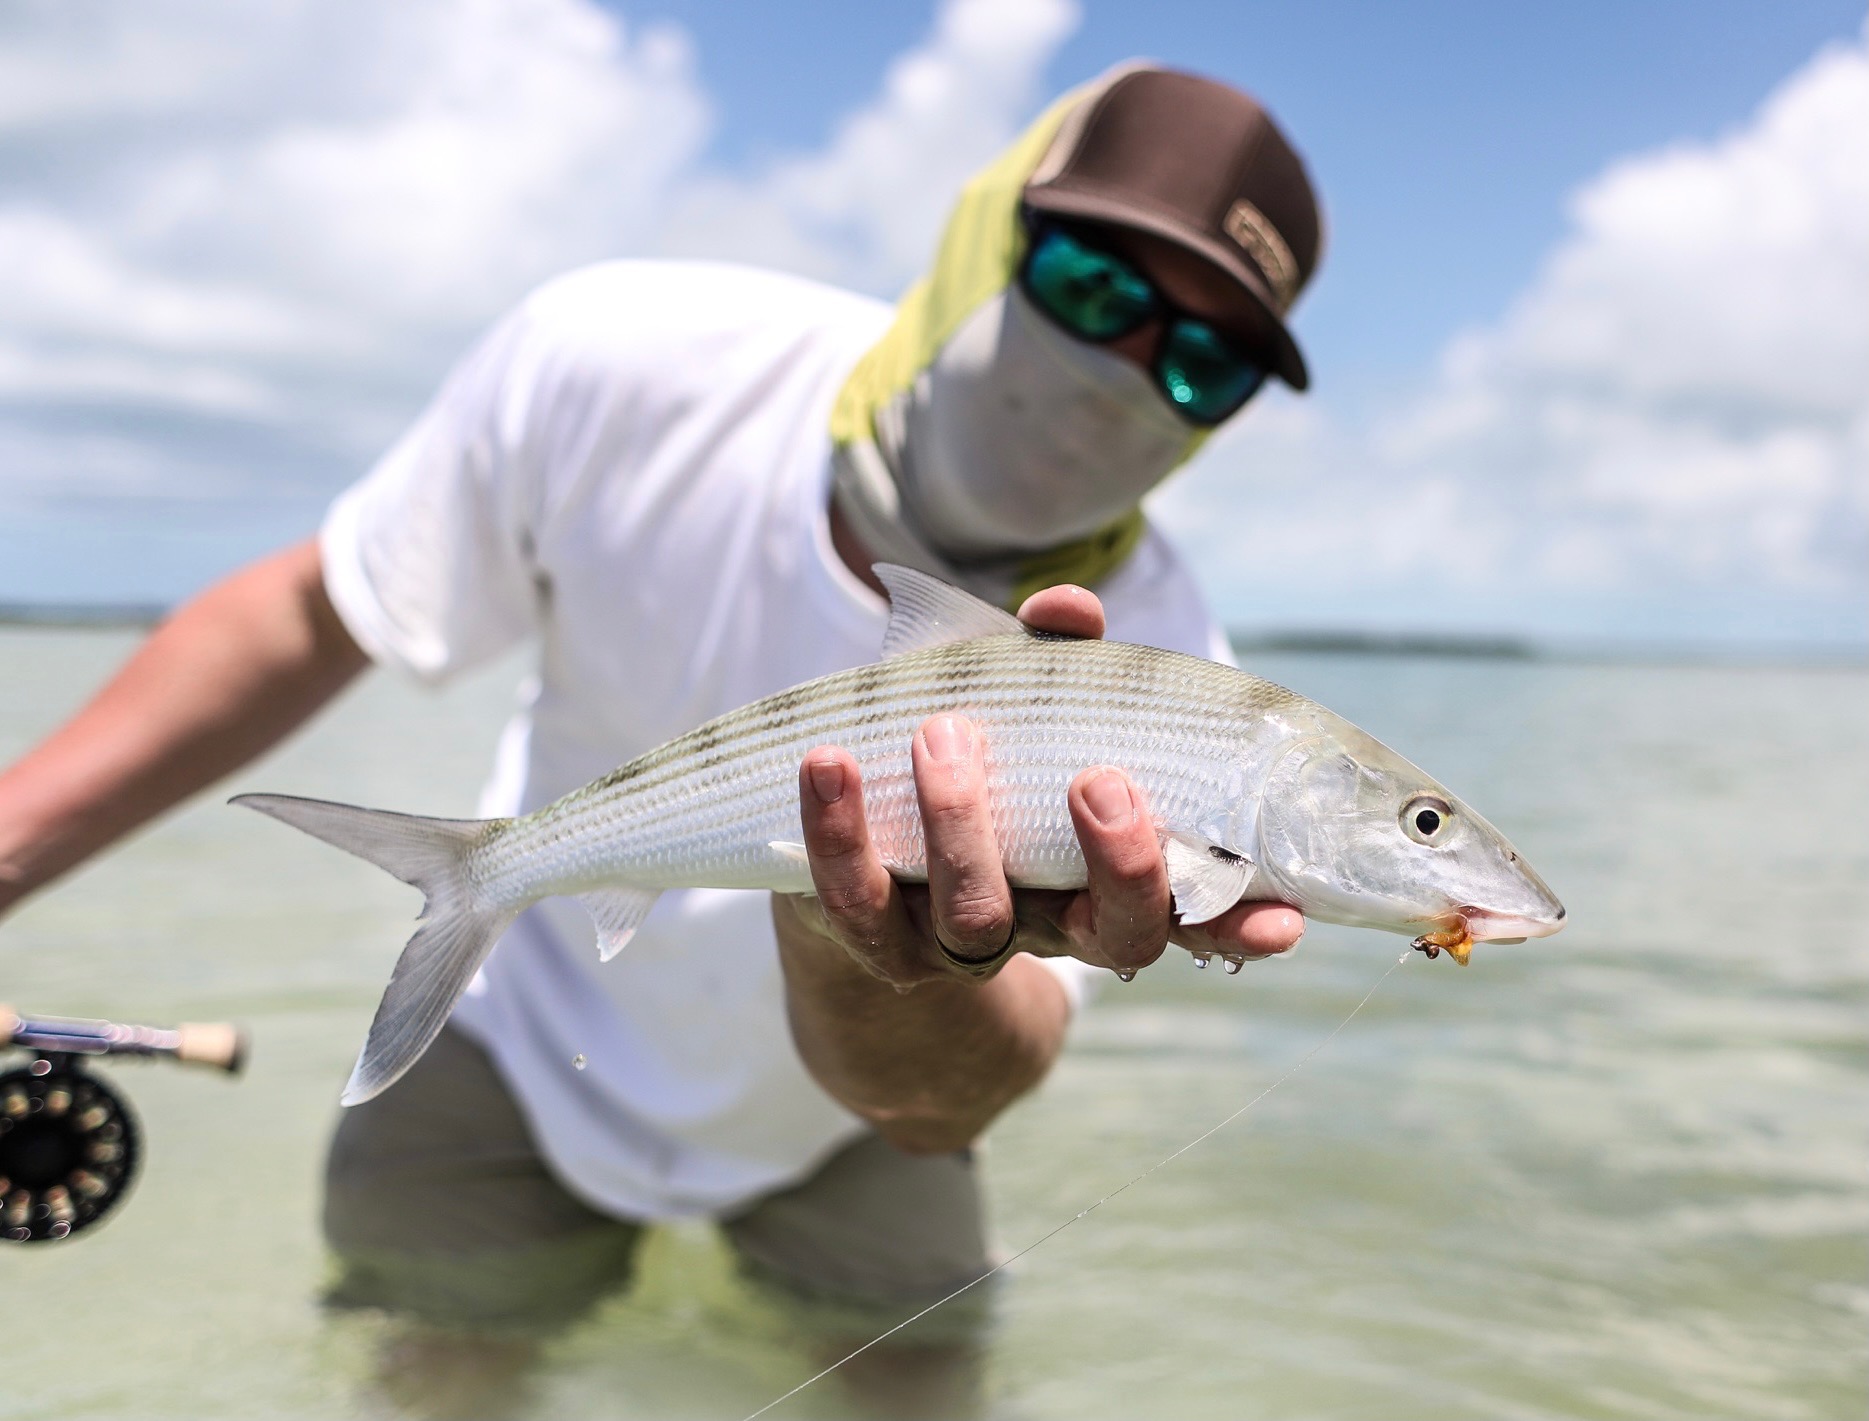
1206, 879
618, 912
924, 611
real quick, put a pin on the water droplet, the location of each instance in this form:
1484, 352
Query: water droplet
1127, 974
1201, 959
578, 1062
1234, 964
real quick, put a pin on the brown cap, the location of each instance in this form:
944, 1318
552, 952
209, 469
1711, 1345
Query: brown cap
1203, 166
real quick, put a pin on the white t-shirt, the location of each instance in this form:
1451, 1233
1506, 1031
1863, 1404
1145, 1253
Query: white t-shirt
634, 469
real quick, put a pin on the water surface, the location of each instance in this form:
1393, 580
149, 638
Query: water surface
1619, 1174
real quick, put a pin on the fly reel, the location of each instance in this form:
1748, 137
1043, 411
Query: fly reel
70, 1144
69, 1148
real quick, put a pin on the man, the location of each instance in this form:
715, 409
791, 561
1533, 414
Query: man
676, 478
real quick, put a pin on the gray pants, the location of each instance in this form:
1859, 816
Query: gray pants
438, 1205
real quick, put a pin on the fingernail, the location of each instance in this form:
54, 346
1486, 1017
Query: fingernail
827, 779
949, 738
1107, 795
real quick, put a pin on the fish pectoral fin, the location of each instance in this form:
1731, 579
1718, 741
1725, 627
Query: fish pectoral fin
924, 611
1206, 879
790, 850
618, 912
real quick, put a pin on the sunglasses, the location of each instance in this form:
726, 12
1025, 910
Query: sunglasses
1099, 297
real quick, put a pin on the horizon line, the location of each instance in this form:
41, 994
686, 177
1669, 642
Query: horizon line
1313, 641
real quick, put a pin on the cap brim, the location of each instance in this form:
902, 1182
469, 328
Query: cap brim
1115, 210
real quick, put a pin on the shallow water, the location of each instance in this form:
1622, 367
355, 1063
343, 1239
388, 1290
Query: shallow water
1618, 1174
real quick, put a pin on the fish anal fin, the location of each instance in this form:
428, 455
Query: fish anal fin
618, 912
925, 611
1206, 878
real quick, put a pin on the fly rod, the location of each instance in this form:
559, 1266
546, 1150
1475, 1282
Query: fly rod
197, 1043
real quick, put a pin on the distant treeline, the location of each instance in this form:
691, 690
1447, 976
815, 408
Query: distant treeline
81, 614
1388, 644
1507, 648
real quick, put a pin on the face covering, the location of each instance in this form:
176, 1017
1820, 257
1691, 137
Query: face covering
1019, 438
978, 442
1015, 440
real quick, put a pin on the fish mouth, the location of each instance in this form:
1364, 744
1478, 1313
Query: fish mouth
1484, 926
1461, 930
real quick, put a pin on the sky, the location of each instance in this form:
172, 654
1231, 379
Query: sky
1590, 342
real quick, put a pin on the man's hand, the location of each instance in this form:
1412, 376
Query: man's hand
967, 922
932, 1068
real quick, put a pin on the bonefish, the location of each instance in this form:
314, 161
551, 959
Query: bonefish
1256, 792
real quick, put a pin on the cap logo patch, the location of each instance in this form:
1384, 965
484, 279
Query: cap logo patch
1248, 226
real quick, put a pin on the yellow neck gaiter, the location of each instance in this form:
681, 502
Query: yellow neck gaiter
975, 265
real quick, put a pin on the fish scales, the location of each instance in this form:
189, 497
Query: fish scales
706, 807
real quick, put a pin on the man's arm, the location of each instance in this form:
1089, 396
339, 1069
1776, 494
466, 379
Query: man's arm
885, 1021
218, 683
928, 1069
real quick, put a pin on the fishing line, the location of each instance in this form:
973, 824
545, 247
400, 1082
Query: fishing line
1042, 1239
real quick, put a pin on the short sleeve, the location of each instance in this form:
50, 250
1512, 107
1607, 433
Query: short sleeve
428, 558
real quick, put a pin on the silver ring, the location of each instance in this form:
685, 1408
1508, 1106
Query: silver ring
978, 966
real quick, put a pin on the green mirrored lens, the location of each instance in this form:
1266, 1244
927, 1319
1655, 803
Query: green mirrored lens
1202, 375
1090, 293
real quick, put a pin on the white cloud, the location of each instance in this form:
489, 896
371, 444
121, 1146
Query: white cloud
1675, 413
865, 211
947, 108
293, 215
309, 194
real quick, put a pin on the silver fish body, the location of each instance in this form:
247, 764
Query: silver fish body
1256, 791
710, 808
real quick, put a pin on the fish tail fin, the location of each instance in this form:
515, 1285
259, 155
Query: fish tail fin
458, 929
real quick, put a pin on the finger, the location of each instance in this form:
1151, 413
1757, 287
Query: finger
855, 891
1066, 610
968, 894
1127, 880
1246, 930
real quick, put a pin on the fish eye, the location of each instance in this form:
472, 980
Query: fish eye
1425, 818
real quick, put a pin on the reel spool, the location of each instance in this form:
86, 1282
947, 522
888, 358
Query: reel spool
69, 1144
69, 1148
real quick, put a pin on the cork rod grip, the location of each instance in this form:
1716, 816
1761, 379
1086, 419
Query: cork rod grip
212, 1043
